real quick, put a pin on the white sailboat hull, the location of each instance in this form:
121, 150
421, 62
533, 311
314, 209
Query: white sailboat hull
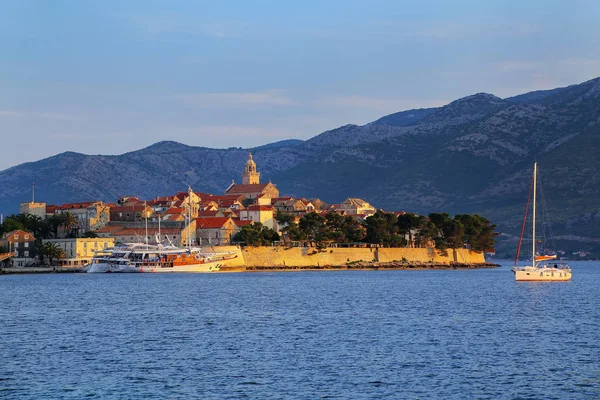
542, 274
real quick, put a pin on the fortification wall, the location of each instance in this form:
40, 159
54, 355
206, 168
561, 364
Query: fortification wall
306, 256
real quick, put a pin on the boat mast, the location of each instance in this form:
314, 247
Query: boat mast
534, 211
188, 241
146, 218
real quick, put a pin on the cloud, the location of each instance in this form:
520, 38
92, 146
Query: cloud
219, 100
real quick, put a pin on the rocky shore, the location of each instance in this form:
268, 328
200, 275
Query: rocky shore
365, 266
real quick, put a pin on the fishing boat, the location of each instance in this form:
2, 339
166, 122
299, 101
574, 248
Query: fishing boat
542, 267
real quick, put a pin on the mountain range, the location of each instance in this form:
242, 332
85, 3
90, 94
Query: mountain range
473, 155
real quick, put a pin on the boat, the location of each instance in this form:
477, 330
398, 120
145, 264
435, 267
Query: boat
541, 268
147, 258
155, 258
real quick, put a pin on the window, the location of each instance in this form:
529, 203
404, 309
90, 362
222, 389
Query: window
26, 244
16, 237
25, 254
26, 237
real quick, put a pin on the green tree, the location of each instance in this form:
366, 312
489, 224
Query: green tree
313, 228
287, 225
407, 223
344, 228
70, 223
50, 251
382, 229
256, 234
480, 234
11, 224
451, 231
427, 234
54, 222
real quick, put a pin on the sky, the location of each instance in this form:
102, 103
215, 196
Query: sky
107, 77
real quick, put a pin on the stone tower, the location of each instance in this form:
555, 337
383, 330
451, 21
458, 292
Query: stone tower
250, 176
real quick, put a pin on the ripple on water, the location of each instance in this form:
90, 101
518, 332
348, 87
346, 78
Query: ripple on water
349, 334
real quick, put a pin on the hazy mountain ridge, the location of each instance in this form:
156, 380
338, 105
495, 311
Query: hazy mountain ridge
474, 154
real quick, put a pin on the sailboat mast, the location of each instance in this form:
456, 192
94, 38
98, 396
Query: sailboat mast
146, 218
534, 211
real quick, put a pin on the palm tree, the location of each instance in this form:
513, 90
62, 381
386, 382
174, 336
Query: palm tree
51, 251
70, 223
54, 222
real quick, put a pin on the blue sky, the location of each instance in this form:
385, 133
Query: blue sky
106, 77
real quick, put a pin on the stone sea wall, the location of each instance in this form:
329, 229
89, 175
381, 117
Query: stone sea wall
307, 256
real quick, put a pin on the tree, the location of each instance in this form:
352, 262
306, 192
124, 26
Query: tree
479, 232
382, 229
50, 251
451, 231
344, 228
313, 228
287, 225
427, 234
11, 224
407, 223
256, 234
70, 223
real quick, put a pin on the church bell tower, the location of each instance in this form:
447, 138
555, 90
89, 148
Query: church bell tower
250, 176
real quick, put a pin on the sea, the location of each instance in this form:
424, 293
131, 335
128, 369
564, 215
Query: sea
430, 334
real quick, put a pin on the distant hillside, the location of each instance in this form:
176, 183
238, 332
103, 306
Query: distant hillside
472, 155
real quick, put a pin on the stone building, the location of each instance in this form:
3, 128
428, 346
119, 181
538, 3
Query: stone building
79, 251
353, 205
216, 231
33, 208
251, 187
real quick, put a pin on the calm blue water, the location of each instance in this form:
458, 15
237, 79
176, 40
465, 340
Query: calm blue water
356, 334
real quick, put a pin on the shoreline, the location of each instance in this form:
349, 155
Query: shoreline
359, 266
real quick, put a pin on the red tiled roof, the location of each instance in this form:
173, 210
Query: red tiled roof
9, 236
260, 208
51, 209
175, 210
207, 213
224, 197
247, 188
70, 206
202, 194
211, 223
239, 223
133, 207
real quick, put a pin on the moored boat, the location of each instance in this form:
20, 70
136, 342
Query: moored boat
540, 269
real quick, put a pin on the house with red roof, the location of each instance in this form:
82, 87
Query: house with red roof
215, 231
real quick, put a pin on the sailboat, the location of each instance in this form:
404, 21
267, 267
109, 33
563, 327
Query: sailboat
540, 269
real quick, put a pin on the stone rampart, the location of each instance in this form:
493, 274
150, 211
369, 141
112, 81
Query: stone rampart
308, 256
